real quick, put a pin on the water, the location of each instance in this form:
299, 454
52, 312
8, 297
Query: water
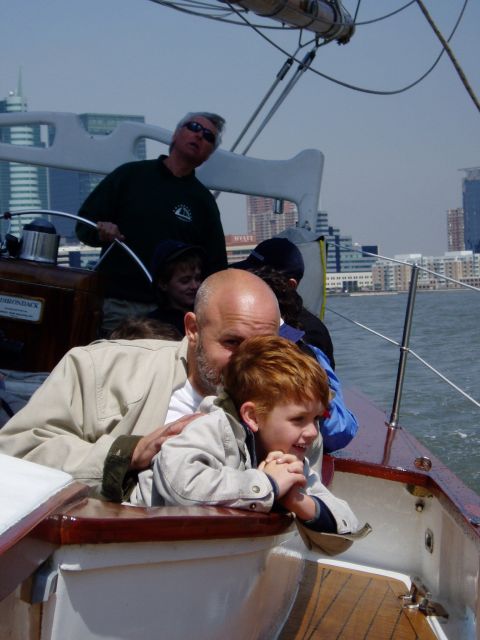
445, 333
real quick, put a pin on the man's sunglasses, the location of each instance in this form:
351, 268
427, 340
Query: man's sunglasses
196, 127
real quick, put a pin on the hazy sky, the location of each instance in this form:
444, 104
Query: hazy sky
391, 162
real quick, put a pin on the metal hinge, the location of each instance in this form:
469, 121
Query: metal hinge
420, 598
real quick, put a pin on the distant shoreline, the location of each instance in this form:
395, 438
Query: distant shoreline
358, 294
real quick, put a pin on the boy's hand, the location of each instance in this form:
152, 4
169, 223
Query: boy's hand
302, 505
279, 457
286, 475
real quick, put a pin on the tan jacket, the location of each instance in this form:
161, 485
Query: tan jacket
209, 463
94, 395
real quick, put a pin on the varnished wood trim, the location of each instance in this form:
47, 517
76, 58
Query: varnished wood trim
93, 521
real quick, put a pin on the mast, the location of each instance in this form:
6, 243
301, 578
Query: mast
329, 20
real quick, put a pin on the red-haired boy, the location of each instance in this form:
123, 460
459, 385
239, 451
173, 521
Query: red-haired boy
249, 451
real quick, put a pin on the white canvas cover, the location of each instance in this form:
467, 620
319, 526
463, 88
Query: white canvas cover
311, 285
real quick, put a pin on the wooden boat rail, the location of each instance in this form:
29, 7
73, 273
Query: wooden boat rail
70, 518
377, 451
94, 522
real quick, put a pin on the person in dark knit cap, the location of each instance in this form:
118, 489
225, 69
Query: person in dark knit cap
178, 270
285, 257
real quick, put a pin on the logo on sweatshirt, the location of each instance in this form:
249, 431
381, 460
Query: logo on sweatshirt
183, 213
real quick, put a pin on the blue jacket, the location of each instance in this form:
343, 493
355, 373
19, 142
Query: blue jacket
341, 426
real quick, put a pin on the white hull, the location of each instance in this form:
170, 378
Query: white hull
398, 543
244, 588
215, 589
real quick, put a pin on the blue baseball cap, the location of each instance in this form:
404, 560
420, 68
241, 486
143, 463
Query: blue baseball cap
280, 254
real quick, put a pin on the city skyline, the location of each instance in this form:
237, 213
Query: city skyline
392, 163
21, 186
66, 190
265, 216
347, 268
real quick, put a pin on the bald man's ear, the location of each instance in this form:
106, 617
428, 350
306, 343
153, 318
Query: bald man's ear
191, 328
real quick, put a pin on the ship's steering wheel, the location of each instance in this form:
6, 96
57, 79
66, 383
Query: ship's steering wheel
8, 215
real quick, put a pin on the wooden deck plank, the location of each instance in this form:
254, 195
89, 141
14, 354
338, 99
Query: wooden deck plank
368, 607
338, 604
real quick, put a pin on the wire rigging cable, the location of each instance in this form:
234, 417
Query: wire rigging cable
284, 70
278, 78
302, 67
450, 54
229, 10
181, 5
363, 89
387, 15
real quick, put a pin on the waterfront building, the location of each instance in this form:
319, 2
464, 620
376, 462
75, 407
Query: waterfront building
471, 208
455, 230
349, 282
390, 276
21, 186
463, 266
239, 246
29, 187
267, 217
345, 258
343, 255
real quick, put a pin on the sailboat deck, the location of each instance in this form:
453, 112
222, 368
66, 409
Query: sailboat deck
343, 604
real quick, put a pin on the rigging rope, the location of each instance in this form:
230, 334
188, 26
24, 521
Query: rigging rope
387, 15
302, 67
363, 89
279, 77
257, 27
450, 54
214, 7
356, 11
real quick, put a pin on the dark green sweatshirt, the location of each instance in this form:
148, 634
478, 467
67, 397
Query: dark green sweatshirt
149, 204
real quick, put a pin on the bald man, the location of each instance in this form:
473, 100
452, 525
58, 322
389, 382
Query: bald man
100, 415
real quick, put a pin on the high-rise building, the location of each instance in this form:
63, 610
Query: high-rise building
21, 186
342, 255
264, 222
68, 189
455, 230
471, 208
